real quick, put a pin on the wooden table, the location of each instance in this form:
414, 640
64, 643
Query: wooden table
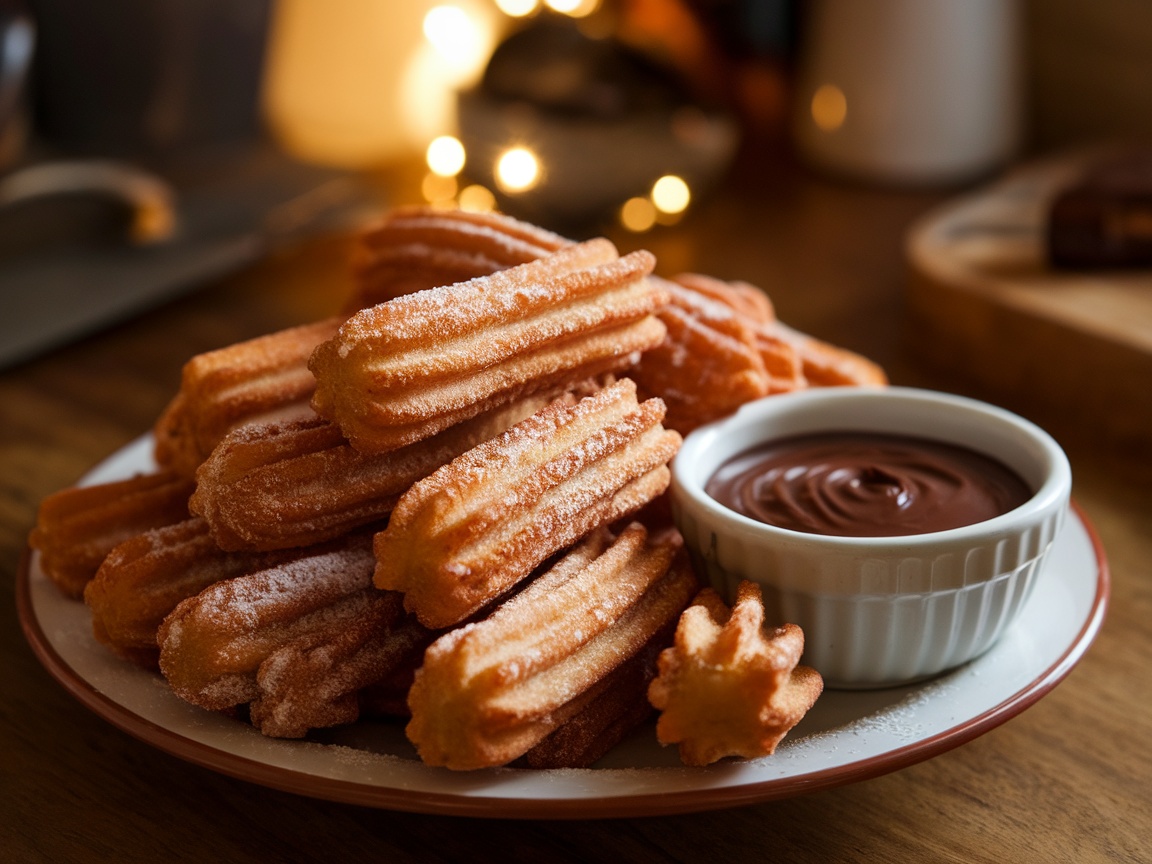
1070, 779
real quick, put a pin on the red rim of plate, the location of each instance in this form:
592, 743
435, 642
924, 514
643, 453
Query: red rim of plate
650, 804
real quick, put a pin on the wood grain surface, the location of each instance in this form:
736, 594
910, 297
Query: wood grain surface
1070, 779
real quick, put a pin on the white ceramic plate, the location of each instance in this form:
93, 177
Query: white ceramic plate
848, 735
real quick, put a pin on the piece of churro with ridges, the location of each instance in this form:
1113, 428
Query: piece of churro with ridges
78, 526
708, 364
143, 579
404, 370
466, 534
491, 690
415, 248
298, 484
260, 380
212, 644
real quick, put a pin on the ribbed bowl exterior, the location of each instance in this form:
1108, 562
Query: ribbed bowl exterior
894, 627
881, 611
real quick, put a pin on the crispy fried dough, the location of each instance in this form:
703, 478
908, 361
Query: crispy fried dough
491, 690
415, 248
403, 370
729, 686
469, 532
77, 527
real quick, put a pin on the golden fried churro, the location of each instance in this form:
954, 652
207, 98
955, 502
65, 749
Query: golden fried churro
317, 680
404, 370
729, 686
466, 534
298, 484
746, 300
612, 708
823, 364
707, 366
257, 381
78, 526
144, 578
415, 248
212, 644
491, 690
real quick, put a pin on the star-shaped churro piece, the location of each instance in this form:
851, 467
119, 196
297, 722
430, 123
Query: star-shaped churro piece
730, 686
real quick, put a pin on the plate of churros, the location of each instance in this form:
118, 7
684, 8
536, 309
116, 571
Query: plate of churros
420, 556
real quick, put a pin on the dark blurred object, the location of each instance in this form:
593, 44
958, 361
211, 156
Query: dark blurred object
17, 38
71, 269
125, 77
1104, 219
604, 120
734, 54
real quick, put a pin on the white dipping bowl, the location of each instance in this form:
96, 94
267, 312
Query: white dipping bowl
879, 611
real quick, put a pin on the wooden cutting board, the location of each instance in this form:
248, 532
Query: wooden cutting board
983, 301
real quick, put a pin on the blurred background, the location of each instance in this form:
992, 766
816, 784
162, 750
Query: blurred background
148, 145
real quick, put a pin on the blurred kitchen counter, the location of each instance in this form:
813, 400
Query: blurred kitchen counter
1067, 780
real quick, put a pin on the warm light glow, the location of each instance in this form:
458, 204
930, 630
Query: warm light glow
458, 38
670, 194
437, 188
477, 199
573, 8
517, 8
638, 214
829, 107
445, 156
517, 170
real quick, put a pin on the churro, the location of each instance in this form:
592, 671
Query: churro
415, 248
491, 690
729, 686
466, 534
77, 527
143, 579
298, 484
404, 370
257, 381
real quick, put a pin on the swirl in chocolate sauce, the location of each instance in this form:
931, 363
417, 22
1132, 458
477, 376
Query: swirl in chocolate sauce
853, 484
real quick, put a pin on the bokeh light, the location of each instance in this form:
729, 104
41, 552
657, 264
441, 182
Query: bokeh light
459, 39
638, 214
829, 107
573, 8
671, 194
437, 189
477, 199
445, 156
517, 170
517, 8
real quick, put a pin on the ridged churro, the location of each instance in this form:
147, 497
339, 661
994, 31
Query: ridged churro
490, 691
257, 381
460, 538
213, 645
415, 248
729, 686
77, 527
404, 370
143, 579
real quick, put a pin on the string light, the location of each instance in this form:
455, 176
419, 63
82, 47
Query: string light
517, 8
477, 199
445, 156
671, 194
573, 8
517, 170
638, 214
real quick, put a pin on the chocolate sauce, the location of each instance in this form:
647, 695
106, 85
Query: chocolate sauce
854, 484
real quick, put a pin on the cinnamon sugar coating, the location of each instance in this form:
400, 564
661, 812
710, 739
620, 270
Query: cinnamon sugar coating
77, 527
490, 691
406, 369
469, 532
729, 686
